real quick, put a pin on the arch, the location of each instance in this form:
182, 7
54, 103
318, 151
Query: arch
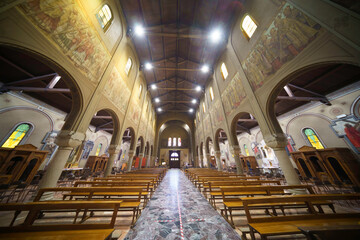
115, 138
244, 126
77, 103
339, 170
141, 145
312, 138
24, 176
275, 91
207, 145
304, 167
132, 135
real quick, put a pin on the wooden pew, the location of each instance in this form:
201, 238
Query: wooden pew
35, 209
231, 200
285, 225
215, 187
131, 197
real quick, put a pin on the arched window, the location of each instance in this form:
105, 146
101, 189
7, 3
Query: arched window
17, 135
169, 142
128, 66
104, 16
211, 93
98, 149
224, 71
248, 26
246, 150
140, 90
174, 142
313, 138
179, 142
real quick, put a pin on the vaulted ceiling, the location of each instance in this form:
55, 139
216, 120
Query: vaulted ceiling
177, 43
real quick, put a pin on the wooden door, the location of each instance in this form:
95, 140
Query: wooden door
174, 159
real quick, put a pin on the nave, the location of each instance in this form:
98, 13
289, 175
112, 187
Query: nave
179, 211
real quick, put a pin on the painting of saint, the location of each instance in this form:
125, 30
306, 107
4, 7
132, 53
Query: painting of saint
348, 128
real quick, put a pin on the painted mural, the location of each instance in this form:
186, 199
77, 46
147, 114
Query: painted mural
233, 94
289, 33
216, 112
207, 124
64, 23
117, 91
134, 112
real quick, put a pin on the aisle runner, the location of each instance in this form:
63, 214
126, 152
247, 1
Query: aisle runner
178, 211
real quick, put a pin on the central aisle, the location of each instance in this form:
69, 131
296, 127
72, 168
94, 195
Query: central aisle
177, 205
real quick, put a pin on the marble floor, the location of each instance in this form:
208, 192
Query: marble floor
178, 210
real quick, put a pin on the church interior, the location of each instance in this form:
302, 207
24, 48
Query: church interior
179, 119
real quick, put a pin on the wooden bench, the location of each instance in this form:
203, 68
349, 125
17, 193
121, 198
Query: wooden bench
285, 225
35, 211
146, 186
215, 191
231, 200
130, 197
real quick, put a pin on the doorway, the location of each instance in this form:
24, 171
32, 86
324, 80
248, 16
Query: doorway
174, 159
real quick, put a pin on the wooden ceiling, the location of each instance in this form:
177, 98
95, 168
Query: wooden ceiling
176, 43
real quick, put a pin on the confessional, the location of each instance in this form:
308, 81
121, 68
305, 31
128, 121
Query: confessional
248, 162
97, 163
334, 164
20, 163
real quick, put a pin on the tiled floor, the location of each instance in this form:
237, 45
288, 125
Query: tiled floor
177, 205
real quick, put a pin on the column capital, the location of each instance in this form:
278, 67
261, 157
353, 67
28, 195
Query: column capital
217, 154
114, 149
131, 152
235, 150
141, 154
276, 140
68, 138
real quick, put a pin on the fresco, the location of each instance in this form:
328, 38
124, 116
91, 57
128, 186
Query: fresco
233, 94
63, 22
217, 115
207, 125
134, 111
117, 91
289, 33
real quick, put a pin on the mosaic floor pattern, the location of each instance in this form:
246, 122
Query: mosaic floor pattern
177, 210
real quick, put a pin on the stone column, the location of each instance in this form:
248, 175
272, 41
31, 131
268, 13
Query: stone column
131, 156
67, 141
201, 161
141, 156
235, 152
218, 160
196, 161
114, 152
208, 159
278, 143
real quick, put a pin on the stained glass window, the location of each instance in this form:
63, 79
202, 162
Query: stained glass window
169, 142
179, 142
246, 150
98, 149
17, 135
248, 26
313, 138
104, 16
174, 142
224, 71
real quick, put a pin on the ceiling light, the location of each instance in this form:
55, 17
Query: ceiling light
139, 30
153, 86
191, 110
157, 100
193, 101
148, 66
159, 109
215, 36
205, 68
198, 88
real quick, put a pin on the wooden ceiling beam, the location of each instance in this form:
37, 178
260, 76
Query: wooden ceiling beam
179, 89
32, 79
306, 99
16, 66
36, 89
244, 129
177, 69
102, 117
246, 120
